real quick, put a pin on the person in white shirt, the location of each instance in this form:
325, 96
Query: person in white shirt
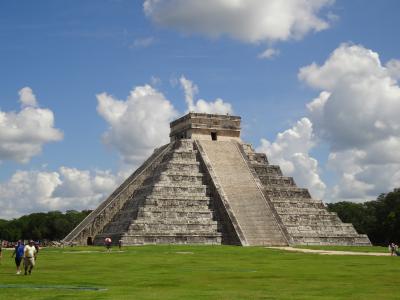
29, 257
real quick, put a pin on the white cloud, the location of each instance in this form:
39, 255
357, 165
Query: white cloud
68, 188
269, 53
356, 114
393, 67
23, 133
291, 150
138, 124
249, 21
155, 80
203, 106
143, 42
27, 97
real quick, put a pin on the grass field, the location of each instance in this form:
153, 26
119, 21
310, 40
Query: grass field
200, 272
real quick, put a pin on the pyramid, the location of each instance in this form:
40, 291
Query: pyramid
209, 187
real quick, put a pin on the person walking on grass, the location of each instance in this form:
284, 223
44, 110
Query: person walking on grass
393, 248
1, 253
29, 257
19, 254
120, 245
107, 243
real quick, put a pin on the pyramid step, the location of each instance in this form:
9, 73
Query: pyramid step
267, 169
173, 221
178, 201
184, 145
257, 158
178, 204
273, 180
166, 172
309, 219
193, 197
158, 184
322, 229
205, 239
300, 210
299, 205
303, 214
286, 192
358, 240
169, 190
175, 214
184, 179
171, 228
179, 155
177, 209
191, 166
293, 201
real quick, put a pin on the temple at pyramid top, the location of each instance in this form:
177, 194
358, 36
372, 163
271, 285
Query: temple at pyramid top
207, 186
203, 126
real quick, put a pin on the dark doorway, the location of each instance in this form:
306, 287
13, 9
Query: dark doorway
214, 136
89, 241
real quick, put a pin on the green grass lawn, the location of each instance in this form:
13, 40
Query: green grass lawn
200, 272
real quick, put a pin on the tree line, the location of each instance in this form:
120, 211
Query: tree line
379, 219
53, 225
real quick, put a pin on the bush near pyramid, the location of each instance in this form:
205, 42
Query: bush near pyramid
208, 187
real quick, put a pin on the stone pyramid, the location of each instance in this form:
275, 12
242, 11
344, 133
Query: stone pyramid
208, 187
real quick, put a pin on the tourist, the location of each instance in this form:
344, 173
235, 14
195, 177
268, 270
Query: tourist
37, 247
120, 244
393, 248
107, 243
19, 254
1, 255
29, 257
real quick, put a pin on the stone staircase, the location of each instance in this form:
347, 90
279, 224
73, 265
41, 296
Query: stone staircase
171, 207
95, 222
251, 211
307, 220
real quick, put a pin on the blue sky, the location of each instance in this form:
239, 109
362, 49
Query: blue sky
66, 53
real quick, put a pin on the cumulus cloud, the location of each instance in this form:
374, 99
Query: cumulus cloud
393, 67
27, 97
138, 124
250, 21
23, 133
356, 114
291, 150
269, 53
68, 188
203, 106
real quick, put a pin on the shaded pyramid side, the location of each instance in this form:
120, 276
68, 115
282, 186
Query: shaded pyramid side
307, 220
172, 205
95, 222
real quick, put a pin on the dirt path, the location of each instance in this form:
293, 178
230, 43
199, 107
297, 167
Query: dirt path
330, 252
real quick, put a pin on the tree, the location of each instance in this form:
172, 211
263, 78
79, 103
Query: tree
53, 225
379, 219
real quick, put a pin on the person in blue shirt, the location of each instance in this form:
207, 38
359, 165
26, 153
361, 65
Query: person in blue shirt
19, 255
